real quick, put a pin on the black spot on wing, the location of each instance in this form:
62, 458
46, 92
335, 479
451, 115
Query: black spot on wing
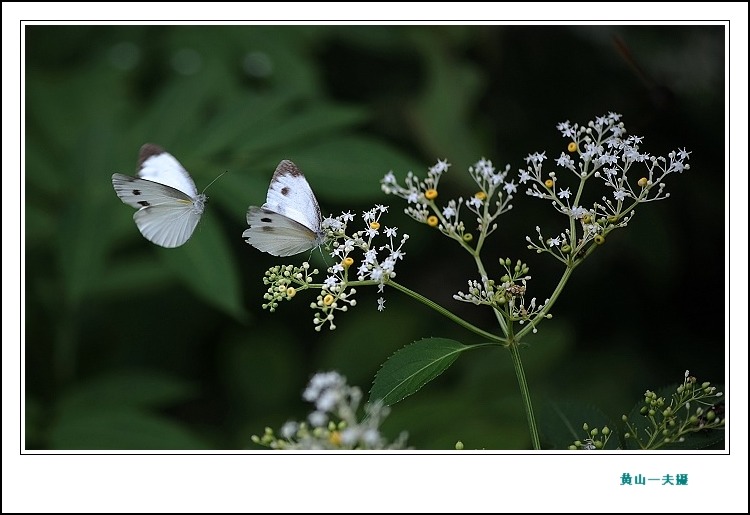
266, 220
285, 191
144, 203
136, 192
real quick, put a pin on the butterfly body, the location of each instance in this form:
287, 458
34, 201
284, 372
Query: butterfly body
289, 222
168, 204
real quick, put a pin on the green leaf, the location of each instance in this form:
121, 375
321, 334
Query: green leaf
132, 277
126, 389
350, 168
121, 429
206, 265
447, 128
412, 367
288, 128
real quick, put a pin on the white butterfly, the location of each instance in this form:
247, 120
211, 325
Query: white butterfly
169, 205
290, 220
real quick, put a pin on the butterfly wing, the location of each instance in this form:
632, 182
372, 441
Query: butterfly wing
278, 234
291, 196
157, 165
290, 220
166, 216
167, 225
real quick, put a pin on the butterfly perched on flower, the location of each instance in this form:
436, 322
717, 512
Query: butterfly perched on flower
168, 203
290, 221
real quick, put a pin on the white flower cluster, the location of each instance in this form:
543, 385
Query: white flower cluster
376, 263
334, 423
491, 200
415, 189
600, 150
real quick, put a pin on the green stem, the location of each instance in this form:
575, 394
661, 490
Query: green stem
548, 306
483, 274
440, 309
525, 394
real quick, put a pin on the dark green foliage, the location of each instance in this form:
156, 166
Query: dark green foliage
347, 104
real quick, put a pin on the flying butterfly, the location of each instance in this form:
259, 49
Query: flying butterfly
168, 203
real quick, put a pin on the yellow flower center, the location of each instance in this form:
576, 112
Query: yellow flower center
432, 221
374, 225
430, 194
347, 262
549, 183
328, 300
572, 147
480, 195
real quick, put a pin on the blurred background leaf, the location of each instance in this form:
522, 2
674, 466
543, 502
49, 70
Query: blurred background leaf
348, 104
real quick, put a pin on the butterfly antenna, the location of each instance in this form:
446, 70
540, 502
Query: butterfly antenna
210, 183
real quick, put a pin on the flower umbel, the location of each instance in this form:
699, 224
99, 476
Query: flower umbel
492, 200
604, 152
692, 408
284, 281
366, 257
334, 423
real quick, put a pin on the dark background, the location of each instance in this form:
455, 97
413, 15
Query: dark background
130, 346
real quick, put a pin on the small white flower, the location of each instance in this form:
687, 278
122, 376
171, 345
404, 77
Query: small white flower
289, 429
317, 418
564, 161
577, 212
620, 194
